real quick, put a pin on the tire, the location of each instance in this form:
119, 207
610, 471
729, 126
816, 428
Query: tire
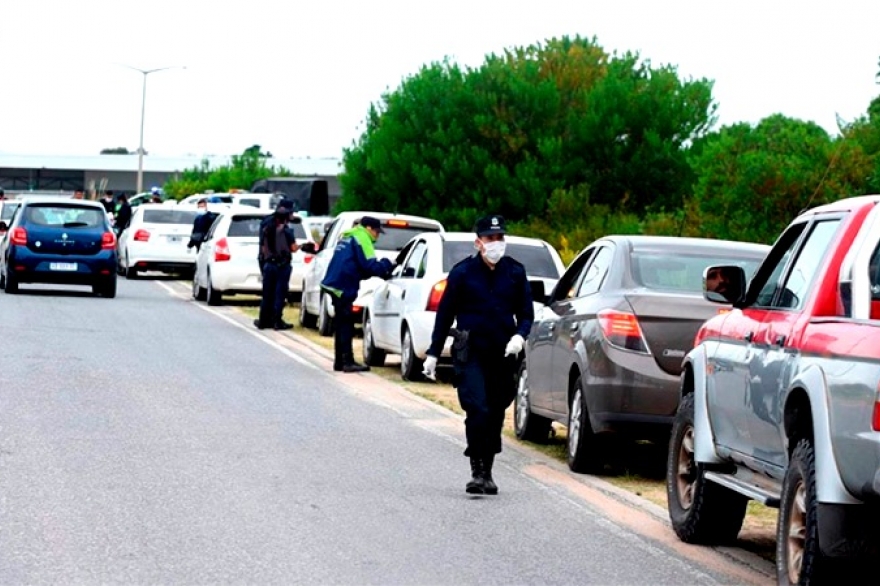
11, 284
105, 288
2, 281
131, 273
410, 364
198, 292
214, 296
306, 319
700, 510
372, 356
325, 321
798, 557
527, 425
583, 445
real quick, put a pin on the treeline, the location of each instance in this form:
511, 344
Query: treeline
570, 143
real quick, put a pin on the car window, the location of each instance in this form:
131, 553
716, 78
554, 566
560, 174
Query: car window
800, 278
596, 271
395, 237
169, 216
64, 216
770, 273
681, 271
7, 210
414, 260
247, 201
568, 283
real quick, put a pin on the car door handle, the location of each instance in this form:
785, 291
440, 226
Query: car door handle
749, 336
403, 295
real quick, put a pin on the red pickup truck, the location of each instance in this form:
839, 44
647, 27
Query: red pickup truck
781, 399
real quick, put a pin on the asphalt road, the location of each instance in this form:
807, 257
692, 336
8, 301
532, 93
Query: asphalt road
148, 439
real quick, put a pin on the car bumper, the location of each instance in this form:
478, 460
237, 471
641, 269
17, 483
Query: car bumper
60, 269
166, 257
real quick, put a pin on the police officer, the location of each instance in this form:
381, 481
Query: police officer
277, 245
201, 224
353, 260
489, 297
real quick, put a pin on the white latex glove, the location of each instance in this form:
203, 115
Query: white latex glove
514, 346
430, 369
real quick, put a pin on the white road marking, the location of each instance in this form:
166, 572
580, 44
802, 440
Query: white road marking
256, 334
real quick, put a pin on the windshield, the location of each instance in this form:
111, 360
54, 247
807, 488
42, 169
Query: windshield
536, 259
681, 272
169, 216
395, 237
64, 216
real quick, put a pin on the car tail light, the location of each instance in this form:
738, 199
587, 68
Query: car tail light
308, 258
436, 295
19, 236
141, 235
875, 419
622, 329
108, 240
221, 250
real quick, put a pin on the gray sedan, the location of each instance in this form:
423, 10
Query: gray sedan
605, 353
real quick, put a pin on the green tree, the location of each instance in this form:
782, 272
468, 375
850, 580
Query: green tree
241, 172
454, 143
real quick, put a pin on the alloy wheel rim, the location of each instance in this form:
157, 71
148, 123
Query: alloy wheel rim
797, 532
685, 476
574, 424
368, 337
407, 351
522, 400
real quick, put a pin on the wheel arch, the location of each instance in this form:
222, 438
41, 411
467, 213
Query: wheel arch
695, 367
807, 397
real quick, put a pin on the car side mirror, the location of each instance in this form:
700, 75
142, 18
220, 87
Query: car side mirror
309, 247
3, 228
724, 284
409, 272
538, 293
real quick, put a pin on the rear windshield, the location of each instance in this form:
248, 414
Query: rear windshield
253, 202
65, 216
537, 259
169, 216
395, 237
681, 272
249, 226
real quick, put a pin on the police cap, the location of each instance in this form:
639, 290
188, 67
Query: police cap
489, 225
371, 222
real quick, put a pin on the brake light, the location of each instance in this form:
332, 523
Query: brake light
397, 223
436, 295
108, 241
19, 236
308, 258
622, 329
875, 419
221, 250
141, 235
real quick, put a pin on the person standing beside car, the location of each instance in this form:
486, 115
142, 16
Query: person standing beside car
123, 214
353, 261
201, 225
277, 245
489, 298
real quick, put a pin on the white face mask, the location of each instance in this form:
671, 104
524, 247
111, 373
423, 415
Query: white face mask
494, 251
202, 211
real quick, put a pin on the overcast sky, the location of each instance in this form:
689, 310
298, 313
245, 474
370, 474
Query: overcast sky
298, 76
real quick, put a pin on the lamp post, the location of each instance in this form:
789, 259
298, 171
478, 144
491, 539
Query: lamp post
145, 73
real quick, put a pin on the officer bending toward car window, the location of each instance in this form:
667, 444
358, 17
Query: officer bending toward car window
353, 261
277, 245
201, 225
489, 297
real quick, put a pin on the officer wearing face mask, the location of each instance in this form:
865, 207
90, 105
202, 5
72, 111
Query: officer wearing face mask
201, 225
489, 298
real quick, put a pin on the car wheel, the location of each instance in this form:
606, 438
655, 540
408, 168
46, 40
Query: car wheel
2, 281
583, 445
325, 321
527, 425
11, 284
306, 319
700, 510
798, 557
105, 287
215, 297
372, 356
410, 364
198, 292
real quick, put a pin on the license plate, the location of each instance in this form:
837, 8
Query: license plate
62, 266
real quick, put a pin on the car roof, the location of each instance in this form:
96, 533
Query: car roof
387, 216
42, 199
669, 244
509, 238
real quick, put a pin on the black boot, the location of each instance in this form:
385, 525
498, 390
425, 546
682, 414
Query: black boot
476, 485
338, 360
349, 365
489, 485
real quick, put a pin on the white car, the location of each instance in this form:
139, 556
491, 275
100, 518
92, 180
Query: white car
399, 317
156, 240
227, 262
316, 308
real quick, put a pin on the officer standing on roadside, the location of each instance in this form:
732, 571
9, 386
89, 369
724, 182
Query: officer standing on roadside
353, 261
277, 245
489, 297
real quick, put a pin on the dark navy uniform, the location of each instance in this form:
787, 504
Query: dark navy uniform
490, 306
277, 242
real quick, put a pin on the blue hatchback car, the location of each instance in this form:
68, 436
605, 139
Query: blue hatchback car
63, 241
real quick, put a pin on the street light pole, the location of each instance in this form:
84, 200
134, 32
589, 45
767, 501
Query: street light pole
145, 73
